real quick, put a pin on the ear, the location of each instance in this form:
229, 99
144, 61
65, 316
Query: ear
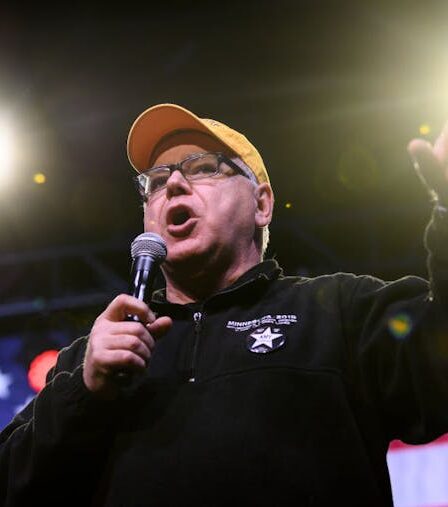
265, 205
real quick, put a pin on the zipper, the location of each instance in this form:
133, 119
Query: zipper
197, 317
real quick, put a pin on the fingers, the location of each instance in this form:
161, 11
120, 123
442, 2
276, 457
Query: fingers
118, 345
109, 349
124, 305
104, 363
132, 344
441, 146
130, 328
429, 163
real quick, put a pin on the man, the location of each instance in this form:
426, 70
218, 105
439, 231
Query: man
248, 387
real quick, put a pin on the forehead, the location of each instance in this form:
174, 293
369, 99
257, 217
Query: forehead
179, 145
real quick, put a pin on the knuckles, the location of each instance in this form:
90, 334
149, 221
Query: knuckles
128, 358
134, 343
120, 300
130, 304
136, 329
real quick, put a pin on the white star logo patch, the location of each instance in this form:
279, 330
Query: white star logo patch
266, 340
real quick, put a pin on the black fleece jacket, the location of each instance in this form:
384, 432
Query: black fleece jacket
276, 391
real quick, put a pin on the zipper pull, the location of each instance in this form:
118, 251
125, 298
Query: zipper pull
197, 317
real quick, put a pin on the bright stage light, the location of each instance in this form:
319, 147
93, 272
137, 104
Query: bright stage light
39, 178
39, 368
424, 129
6, 153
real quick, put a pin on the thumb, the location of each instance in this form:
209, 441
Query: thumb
160, 326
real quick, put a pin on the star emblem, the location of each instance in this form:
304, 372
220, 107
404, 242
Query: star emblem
264, 340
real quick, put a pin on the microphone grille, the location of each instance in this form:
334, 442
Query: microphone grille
149, 243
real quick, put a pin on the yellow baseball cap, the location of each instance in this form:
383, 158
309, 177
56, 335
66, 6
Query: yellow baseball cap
162, 119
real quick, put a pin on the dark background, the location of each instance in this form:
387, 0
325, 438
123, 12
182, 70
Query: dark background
330, 93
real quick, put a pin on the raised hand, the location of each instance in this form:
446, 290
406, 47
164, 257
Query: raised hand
431, 163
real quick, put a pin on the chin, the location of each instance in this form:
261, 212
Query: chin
186, 251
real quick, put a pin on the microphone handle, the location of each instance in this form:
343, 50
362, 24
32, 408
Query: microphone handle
143, 272
142, 276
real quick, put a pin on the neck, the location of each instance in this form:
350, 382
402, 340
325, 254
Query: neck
195, 283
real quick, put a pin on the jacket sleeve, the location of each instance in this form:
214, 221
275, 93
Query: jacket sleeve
397, 337
41, 450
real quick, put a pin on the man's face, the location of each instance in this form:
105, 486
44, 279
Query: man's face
212, 218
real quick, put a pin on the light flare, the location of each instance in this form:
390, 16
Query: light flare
400, 325
7, 155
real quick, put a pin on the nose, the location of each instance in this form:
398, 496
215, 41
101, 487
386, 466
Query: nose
177, 184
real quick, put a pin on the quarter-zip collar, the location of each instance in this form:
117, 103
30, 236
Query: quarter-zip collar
267, 270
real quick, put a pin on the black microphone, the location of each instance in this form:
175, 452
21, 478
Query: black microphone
148, 251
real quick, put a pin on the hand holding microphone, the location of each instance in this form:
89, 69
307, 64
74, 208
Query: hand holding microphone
431, 165
122, 337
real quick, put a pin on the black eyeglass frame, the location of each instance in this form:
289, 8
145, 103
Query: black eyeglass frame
221, 158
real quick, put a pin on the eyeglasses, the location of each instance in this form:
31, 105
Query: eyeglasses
194, 167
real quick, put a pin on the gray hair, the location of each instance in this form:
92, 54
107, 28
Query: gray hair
264, 240
253, 179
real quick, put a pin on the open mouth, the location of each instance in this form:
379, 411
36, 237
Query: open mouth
179, 217
181, 221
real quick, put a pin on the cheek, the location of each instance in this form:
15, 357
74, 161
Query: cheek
235, 208
150, 219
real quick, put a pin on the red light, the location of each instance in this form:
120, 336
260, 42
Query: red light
39, 368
